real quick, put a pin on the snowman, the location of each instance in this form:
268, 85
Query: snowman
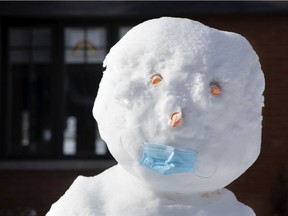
179, 106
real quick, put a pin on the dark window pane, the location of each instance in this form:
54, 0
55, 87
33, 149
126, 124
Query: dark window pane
41, 56
41, 37
19, 56
19, 37
31, 111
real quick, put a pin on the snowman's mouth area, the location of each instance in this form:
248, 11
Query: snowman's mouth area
166, 160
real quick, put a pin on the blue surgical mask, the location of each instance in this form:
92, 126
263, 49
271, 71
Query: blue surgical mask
167, 160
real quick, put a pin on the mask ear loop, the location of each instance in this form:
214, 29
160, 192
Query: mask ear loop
130, 161
207, 176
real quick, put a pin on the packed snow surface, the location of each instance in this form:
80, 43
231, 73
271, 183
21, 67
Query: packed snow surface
117, 193
179, 84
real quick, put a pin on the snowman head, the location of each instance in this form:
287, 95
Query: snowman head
180, 103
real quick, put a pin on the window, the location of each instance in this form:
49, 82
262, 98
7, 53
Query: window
85, 50
29, 45
85, 45
52, 73
49, 101
29, 105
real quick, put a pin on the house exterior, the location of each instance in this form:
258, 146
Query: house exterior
51, 64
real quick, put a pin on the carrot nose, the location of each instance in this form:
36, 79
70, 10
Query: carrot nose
176, 119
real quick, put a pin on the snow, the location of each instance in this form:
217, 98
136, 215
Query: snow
224, 130
115, 193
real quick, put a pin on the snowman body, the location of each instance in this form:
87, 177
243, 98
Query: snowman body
87, 196
180, 108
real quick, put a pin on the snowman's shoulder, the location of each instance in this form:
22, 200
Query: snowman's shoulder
82, 198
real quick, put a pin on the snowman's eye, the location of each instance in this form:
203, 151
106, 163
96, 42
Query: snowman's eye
155, 79
215, 89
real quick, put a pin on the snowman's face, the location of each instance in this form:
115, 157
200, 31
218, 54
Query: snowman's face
178, 83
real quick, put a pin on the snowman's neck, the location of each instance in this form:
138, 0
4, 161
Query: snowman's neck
135, 186
141, 189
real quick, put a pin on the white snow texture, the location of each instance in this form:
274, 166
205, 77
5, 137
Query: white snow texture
224, 129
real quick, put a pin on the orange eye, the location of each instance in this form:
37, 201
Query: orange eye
215, 90
156, 79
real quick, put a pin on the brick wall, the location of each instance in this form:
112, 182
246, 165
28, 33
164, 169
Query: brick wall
35, 189
261, 186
